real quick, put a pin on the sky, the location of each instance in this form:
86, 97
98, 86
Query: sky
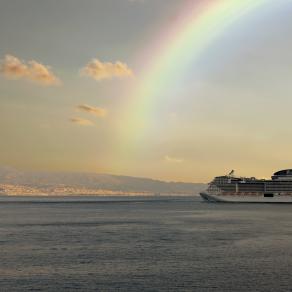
177, 90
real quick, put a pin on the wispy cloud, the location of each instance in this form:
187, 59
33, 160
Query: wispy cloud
97, 111
13, 68
81, 122
173, 159
105, 70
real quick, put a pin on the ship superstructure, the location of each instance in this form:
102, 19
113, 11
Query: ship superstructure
229, 188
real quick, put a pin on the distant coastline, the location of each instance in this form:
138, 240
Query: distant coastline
19, 190
19, 183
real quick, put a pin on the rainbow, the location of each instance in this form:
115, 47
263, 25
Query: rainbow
199, 25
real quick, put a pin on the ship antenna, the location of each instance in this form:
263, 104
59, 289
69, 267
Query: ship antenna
231, 173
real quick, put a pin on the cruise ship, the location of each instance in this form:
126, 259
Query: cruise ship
229, 188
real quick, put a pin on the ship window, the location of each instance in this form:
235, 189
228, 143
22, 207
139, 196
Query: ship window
269, 195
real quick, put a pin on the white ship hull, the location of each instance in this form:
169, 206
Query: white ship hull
245, 198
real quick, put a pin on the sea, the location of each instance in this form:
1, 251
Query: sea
143, 244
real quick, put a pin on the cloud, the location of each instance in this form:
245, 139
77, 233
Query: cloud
173, 159
13, 68
42, 74
97, 111
81, 122
105, 70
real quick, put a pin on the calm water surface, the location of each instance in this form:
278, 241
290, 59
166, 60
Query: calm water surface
144, 244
